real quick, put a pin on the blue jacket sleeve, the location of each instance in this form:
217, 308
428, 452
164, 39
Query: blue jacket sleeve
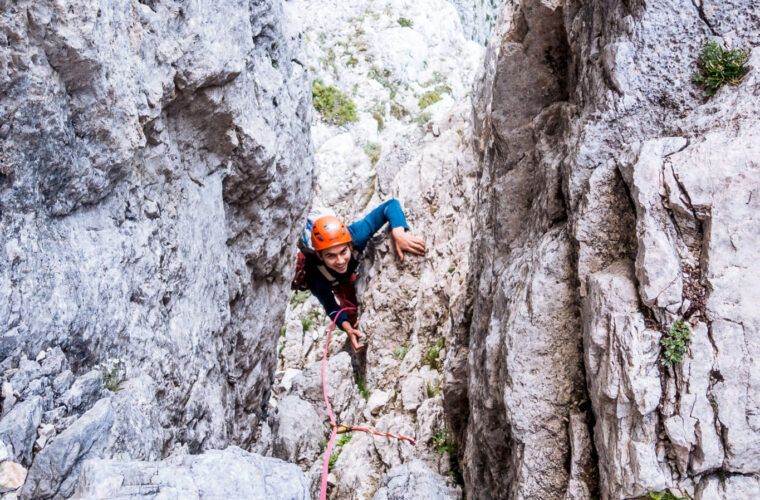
362, 230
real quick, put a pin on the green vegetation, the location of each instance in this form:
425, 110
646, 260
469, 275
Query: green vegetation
719, 66
406, 23
675, 343
451, 269
283, 330
383, 77
378, 113
429, 98
335, 106
398, 111
433, 390
372, 150
664, 495
431, 357
442, 442
113, 374
423, 118
361, 384
307, 323
333, 460
400, 352
298, 298
344, 439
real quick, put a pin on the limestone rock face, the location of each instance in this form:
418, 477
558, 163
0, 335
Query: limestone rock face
231, 473
615, 200
155, 165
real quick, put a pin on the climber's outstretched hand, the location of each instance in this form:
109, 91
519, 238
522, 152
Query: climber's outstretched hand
405, 242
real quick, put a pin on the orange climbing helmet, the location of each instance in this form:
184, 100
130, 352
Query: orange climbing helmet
327, 232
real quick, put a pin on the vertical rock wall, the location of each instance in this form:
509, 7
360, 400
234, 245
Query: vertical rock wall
614, 200
155, 166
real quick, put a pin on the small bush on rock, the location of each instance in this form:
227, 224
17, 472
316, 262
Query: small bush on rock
114, 374
335, 106
664, 495
431, 357
429, 98
719, 66
406, 23
675, 343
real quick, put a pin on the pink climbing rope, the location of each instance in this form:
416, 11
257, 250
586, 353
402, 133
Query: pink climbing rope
340, 429
328, 450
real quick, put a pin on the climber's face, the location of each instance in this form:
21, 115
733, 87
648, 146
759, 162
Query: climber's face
336, 258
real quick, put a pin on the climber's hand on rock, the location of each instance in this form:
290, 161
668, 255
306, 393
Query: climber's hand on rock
405, 242
354, 335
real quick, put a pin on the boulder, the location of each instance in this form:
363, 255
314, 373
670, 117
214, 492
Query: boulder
231, 473
19, 428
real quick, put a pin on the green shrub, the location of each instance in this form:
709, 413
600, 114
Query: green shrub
372, 150
431, 357
429, 98
664, 495
406, 23
675, 343
719, 66
335, 106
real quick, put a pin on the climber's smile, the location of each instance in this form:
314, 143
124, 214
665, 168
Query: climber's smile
337, 258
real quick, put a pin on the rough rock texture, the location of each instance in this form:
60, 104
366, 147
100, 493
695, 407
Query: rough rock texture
615, 200
413, 480
155, 159
55, 469
232, 473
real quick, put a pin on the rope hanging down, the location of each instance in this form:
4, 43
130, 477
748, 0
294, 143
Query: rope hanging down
340, 429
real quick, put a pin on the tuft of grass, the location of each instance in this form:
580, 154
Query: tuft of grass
423, 118
283, 330
335, 107
429, 98
399, 353
333, 460
344, 439
361, 384
298, 298
433, 390
406, 23
431, 356
675, 343
718, 66
307, 323
372, 150
451, 269
378, 113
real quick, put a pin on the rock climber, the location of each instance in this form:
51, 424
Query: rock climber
328, 269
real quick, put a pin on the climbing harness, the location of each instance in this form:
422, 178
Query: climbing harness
340, 428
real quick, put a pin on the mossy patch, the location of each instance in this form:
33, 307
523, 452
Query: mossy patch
429, 98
